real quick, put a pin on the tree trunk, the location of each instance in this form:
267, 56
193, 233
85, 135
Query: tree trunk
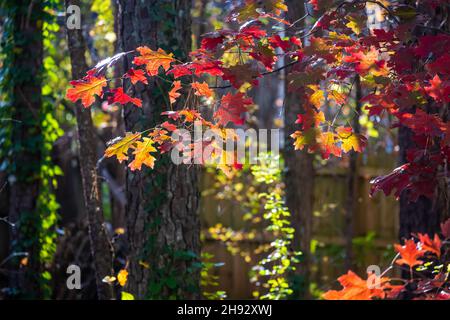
352, 183
100, 244
162, 222
425, 214
26, 102
299, 175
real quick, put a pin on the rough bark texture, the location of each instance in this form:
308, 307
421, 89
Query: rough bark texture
162, 223
100, 245
299, 175
25, 135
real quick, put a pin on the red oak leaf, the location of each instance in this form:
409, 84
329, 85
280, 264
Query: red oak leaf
169, 126
355, 288
397, 180
211, 43
153, 60
136, 75
422, 122
264, 54
433, 246
174, 94
365, 61
86, 89
202, 89
438, 90
277, 42
231, 108
121, 97
409, 253
212, 68
180, 70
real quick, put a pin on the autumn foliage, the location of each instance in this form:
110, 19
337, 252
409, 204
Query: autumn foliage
403, 69
424, 259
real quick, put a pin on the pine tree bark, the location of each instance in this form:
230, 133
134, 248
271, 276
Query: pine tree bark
26, 102
162, 223
300, 173
101, 249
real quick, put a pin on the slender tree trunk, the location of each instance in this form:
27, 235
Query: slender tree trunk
300, 173
352, 183
162, 222
101, 249
26, 103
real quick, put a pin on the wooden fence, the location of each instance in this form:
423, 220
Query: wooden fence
375, 228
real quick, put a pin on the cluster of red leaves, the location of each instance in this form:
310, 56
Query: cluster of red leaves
404, 70
425, 259
189, 77
405, 76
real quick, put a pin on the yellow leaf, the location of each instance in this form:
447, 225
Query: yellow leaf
126, 296
142, 154
119, 147
350, 140
122, 277
317, 98
356, 23
119, 231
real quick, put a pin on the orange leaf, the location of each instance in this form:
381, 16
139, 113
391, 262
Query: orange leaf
326, 144
433, 246
190, 115
153, 60
355, 288
174, 94
409, 253
142, 154
317, 98
136, 75
86, 89
202, 89
122, 277
119, 147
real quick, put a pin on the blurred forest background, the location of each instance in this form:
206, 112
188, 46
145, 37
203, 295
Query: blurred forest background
338, 224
